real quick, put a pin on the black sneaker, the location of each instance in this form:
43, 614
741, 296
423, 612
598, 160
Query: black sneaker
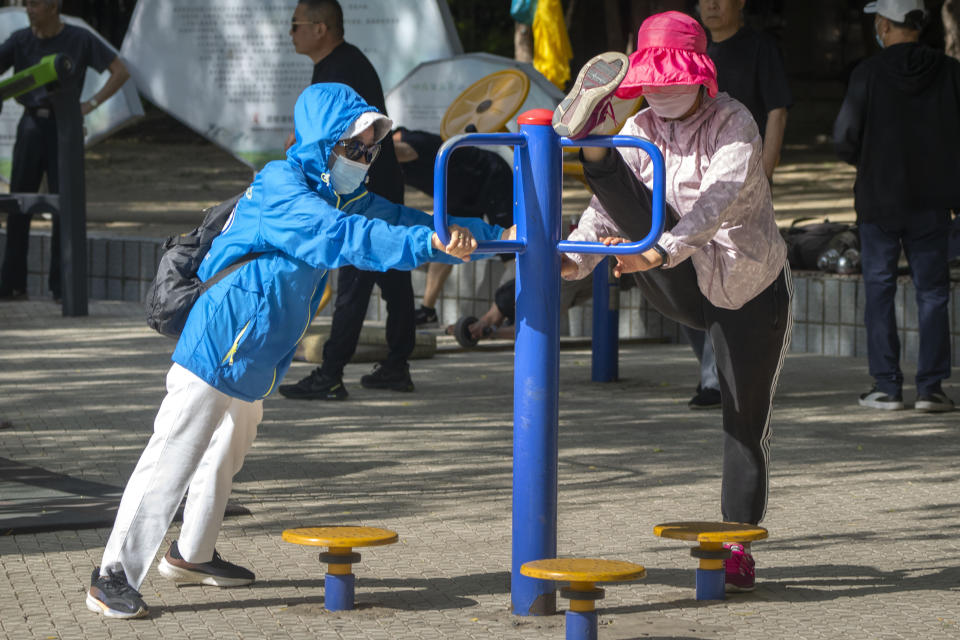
216, 573
113, 597
315, 386
705, 399
396, 379
876, 399
936, 402
426, 317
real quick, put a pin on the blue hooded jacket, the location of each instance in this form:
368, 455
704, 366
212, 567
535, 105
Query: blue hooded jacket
242, 333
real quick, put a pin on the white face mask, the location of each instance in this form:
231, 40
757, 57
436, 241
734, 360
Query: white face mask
347, 175
673, 101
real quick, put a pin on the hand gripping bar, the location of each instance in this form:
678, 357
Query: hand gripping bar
440, 185
656, 222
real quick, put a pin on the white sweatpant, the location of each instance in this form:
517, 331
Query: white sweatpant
200, 438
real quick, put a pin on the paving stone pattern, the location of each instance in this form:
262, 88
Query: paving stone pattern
864, 515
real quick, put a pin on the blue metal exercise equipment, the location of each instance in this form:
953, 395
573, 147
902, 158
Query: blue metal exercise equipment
537, 213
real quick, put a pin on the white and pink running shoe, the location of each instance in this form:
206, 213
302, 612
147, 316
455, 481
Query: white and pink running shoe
589, 102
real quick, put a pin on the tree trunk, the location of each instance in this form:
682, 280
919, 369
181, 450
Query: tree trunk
522, 42
951, 27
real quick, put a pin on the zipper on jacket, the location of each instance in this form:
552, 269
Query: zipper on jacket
236, 344
347, 203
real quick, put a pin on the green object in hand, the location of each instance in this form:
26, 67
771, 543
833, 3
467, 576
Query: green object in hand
49, 69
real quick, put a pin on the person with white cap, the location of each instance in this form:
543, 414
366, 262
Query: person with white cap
899, 124
300, 218
721, 264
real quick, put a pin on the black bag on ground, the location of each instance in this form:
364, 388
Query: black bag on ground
176, 286
807, 244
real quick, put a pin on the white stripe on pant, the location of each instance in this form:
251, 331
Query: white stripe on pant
200, 438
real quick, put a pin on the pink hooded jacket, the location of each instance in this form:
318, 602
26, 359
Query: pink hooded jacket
715, 182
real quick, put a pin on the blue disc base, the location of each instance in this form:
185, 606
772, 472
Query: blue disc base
711, 584
338, 592
581, 625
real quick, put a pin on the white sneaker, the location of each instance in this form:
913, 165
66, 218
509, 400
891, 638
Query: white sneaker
876, 399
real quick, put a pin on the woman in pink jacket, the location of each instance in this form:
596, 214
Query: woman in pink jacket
721, 264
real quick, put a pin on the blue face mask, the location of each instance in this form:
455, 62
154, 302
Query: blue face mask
347, 175
876, 34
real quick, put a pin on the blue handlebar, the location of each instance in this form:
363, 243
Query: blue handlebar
440, 185
564, 246
656, 223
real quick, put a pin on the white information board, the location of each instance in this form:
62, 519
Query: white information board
228, 70
122, 108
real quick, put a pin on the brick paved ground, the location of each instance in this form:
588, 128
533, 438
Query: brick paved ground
864, 513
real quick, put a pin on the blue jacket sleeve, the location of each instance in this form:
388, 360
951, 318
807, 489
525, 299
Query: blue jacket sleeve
408, 217
302, 224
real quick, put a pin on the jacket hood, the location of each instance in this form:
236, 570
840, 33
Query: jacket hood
323, 113
910, 66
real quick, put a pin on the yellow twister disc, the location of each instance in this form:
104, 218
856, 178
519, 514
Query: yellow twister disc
714, 532
487, 105
341, 536
583, 570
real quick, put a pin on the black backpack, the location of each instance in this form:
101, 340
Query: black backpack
807, 243
176, 286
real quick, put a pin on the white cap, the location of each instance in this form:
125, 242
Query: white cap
381, 126
895, 10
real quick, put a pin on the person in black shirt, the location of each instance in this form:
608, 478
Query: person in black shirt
750, 70
899, 124
317, 32
35, 149
479, 184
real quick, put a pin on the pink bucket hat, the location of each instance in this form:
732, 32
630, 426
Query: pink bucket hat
671, 50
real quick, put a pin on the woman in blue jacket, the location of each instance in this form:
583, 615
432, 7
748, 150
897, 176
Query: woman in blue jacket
304, 216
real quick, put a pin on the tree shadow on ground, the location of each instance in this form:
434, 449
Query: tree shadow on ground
374, 595
810, 583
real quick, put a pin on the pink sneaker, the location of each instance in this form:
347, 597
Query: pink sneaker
588, 103
740, 569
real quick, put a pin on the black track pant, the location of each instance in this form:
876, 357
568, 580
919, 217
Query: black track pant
354, 287
750, 342
34, 154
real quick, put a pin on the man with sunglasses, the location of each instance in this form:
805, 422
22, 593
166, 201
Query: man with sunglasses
300, 218
317, 32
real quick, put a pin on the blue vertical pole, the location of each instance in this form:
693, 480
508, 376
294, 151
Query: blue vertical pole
536, 364
606, 325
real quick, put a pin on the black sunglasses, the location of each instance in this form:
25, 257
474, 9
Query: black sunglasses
356, 150
294, 24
